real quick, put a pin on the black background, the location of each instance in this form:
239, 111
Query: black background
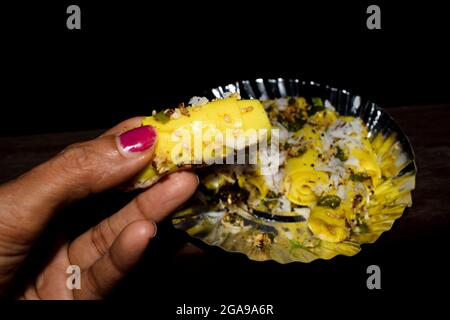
131, 58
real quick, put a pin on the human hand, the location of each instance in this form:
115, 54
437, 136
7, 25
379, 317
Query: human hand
107, 251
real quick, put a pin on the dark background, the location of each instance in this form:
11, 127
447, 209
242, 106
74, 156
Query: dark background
131, 58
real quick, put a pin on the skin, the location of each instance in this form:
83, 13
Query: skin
107, 251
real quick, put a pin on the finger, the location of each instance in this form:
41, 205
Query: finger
79, 170
154, 204
123, 126
98, 280
51, 283
160, 200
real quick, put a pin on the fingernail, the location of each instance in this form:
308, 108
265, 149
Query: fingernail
138, 139
155, 228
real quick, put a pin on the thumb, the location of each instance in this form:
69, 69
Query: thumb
27, 203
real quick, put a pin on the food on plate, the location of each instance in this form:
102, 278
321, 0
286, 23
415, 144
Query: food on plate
335, 187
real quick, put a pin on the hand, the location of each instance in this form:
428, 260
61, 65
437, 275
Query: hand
107, 251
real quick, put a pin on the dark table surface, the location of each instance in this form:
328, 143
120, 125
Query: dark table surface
413, 248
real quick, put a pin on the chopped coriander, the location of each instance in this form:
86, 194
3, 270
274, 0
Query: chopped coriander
296, 244
314, 109
317, 102
297, 125
340, 154
161, 117
359, 177
330, 201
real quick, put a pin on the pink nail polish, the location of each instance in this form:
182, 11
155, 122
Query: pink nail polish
138, 139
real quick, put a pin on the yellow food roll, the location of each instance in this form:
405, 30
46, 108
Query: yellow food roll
301, 178
201, 134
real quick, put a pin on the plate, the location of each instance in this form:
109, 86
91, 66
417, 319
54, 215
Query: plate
264, 236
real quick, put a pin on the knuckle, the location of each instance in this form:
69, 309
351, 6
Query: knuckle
99, 240
142, 205
79, 158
